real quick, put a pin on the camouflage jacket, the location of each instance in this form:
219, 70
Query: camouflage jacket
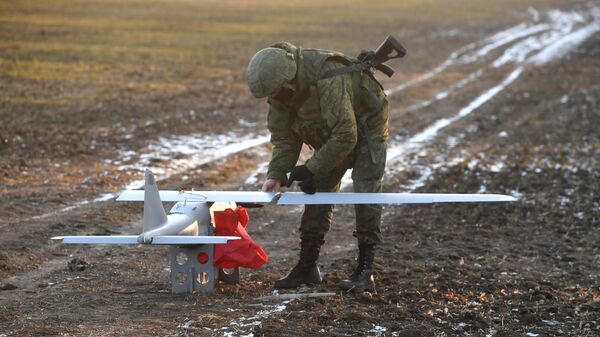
330, 115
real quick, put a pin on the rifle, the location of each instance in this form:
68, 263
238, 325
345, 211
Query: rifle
389, 49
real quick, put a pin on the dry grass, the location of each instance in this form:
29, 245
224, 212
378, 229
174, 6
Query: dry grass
85, 66
123, 44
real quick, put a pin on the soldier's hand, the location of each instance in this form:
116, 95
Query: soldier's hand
302, 173
271, 185
308, 186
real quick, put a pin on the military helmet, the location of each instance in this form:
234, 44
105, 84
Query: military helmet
269, 70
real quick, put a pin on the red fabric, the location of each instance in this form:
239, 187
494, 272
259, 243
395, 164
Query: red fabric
236, 253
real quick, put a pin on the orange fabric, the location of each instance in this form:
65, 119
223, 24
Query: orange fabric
236, 253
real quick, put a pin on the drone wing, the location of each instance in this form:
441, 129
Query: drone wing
299, 198
133, 239
107, 240
208, 196
295, 198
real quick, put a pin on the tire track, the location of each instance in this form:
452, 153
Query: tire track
521, 39
563, 33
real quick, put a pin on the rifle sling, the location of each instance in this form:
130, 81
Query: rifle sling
344, 70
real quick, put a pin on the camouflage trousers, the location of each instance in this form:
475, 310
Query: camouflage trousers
367, 177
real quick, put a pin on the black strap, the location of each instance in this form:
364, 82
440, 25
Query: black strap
344, 70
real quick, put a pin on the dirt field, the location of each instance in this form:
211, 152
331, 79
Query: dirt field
494, 97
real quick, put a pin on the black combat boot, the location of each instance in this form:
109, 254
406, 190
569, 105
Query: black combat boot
362, 278
306, 271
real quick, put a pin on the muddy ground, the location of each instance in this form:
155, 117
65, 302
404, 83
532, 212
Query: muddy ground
70, 109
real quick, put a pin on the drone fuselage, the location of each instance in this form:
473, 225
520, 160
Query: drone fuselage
185, 218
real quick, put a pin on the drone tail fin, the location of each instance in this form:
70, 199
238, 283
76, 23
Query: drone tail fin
154, 212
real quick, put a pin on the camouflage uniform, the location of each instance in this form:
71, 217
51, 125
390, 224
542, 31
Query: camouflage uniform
344, 119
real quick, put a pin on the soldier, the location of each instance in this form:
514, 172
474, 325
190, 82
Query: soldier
343, 118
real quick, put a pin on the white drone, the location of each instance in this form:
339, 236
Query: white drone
188, 227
